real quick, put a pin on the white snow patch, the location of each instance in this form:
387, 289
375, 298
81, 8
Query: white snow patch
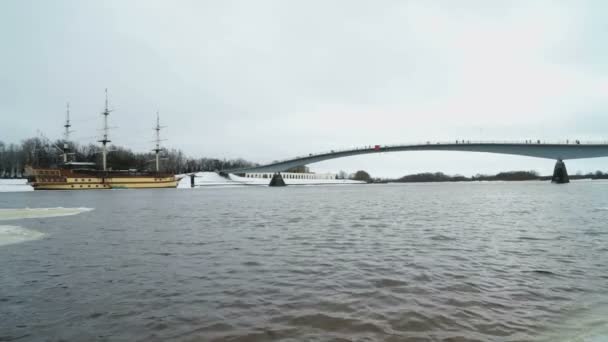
205, 179
14, 185
14, 234
289, 181
24, 213
213, 179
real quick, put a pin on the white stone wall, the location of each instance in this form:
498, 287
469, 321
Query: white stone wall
292, 175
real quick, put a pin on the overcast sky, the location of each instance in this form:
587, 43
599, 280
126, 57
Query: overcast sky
267, 80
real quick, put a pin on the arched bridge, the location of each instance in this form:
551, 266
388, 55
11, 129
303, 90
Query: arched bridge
556, 151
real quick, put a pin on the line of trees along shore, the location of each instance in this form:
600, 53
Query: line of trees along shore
432, 177
502, 176
37, 152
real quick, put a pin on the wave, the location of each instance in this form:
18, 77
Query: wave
587, 324
14, 234
25, 213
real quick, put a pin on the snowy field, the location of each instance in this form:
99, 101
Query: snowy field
206, 179
213, 179
14, 185
289, 181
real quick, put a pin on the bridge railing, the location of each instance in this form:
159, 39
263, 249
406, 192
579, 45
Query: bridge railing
446, 142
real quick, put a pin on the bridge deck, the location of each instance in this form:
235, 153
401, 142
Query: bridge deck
556, 151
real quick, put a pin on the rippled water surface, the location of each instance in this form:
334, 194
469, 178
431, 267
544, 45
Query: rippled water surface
429, 262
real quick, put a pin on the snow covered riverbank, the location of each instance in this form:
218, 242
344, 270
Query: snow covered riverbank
206, 179
213, 179
14, 185
291, 181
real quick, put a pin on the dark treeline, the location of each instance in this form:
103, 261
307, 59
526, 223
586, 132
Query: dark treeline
37, 152
430, 177
362, 175
508, 176
502, 176
591, 175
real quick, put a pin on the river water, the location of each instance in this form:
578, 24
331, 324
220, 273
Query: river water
520, 261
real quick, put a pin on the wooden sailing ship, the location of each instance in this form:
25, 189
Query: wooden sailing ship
72, 175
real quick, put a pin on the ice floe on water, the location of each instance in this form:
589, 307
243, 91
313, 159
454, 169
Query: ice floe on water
14, 234
25, 213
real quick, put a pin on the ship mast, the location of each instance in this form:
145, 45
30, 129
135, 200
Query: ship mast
158, 140
66, 134
105, 139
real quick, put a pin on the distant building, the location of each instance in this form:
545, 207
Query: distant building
293, 175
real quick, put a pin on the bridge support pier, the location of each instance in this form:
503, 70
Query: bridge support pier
277, 180
560, 174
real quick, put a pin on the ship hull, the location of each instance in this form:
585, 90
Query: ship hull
61, 179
